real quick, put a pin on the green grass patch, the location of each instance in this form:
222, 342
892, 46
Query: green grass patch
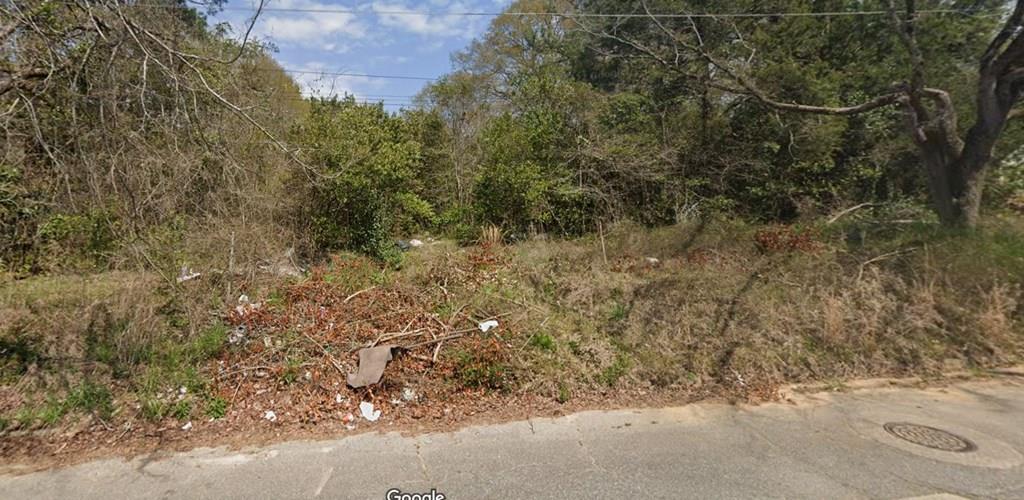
611, 374
543, 342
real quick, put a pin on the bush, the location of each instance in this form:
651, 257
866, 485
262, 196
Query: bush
513, 196
19, 214
369, 183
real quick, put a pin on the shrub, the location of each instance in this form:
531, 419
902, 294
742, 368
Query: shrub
369, 177
19, 214
483, 366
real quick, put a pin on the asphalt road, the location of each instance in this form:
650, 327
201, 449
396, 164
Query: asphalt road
832, 445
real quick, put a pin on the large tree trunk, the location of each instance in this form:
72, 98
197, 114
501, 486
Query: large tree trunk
955, 185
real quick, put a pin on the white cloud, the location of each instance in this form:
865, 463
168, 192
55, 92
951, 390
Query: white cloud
314, 83
427, 24
336, 48
308, 29
389, 59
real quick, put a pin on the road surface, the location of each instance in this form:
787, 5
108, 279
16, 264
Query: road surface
832, 445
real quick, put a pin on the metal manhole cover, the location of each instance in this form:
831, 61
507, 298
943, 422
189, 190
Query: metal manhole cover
930, 437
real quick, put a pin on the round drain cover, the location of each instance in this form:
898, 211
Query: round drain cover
930, 437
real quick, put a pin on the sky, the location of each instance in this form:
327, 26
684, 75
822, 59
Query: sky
372, 38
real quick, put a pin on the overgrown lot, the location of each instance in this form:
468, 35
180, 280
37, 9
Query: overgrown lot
702, 309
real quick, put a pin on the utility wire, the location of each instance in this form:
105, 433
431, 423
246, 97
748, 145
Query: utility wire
345, 73
654, 15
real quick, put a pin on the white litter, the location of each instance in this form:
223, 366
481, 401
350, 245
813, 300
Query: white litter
245, 307
368, 412
237, 334
187, 274
187, 426
653, 261
270, 415
415, 243
338, 399
487, 325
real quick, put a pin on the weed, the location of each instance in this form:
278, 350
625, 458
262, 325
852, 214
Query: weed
275, 298
153, 409
87, 397
18, 351
563, 393
291, 371
182, 409
444, 310
482, 367
90, 396
491, 236
216, 407
45, 415
618, 313
543, 342
208, 344
349, 271
613, 372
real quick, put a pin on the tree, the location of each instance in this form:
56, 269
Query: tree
131, 117
370, 174
955, 162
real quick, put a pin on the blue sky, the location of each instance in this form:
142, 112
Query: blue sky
371, 40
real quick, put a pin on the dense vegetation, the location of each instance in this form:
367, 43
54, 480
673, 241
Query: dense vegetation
135, 144
695, 209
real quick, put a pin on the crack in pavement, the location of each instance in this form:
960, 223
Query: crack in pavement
423, 464
323, 481
587, 453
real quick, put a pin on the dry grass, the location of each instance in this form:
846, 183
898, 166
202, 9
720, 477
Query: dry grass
708, 308
726, 306
491, 236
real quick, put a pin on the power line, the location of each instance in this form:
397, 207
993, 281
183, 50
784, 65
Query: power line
568, 15
345, 73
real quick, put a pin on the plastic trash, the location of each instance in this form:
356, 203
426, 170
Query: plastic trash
270, 415
187, 426
245, 307
187, 274
415, 243
366, 408
371, 366
237, 334
487, 325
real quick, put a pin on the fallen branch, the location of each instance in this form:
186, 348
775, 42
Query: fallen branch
393, 336
882, 257
849, 210
454, 335
350, 297
327, 353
